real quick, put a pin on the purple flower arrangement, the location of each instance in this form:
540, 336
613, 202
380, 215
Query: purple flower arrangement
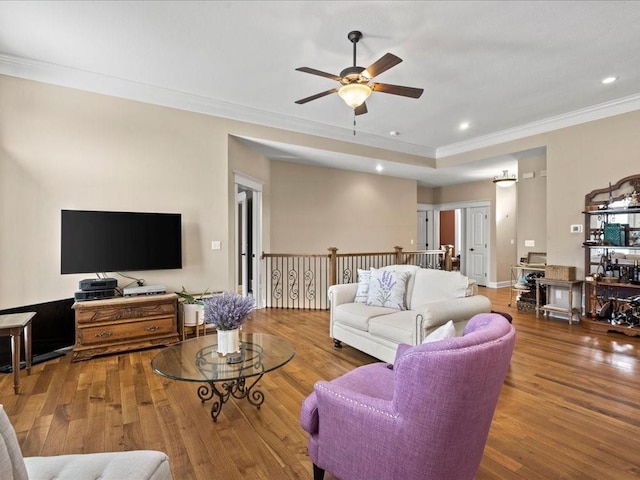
227, 311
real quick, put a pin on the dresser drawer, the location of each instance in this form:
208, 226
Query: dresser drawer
125, 332
95, 314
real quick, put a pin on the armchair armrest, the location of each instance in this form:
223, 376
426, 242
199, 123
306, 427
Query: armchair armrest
344, 403
342, 293
434, 314
309, 414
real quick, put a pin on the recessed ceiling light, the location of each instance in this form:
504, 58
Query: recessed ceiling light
394, 133
464, 125
608, 80
379, 168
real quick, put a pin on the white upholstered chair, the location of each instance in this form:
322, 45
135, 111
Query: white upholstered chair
133, 465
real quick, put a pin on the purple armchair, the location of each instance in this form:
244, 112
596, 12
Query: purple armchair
427, 418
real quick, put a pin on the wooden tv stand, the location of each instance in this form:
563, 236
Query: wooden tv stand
125, 323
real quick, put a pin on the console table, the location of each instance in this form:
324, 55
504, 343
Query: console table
127, 323
569, 285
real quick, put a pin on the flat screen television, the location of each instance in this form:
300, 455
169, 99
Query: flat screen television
98, 241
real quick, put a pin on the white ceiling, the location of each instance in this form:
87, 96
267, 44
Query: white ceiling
511, 69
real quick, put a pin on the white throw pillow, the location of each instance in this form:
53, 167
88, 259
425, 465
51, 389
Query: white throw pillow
388, 289
448, 330
364, 277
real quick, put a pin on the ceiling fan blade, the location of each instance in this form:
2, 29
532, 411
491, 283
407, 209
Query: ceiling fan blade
317, 95
383, 64
313, 71
397, 90
361, 110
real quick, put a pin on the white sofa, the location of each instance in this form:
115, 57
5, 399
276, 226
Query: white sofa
130, 465
433, 297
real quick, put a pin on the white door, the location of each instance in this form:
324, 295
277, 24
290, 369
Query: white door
477, 243
422, 231
425, 230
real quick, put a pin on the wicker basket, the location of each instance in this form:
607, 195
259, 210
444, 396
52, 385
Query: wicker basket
559, 272
525, 306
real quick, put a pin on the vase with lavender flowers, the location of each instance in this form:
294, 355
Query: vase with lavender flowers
227, 311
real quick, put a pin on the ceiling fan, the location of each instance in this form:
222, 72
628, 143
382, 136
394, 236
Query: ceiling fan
355, 88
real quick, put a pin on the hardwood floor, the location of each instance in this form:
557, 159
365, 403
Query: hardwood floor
569, 408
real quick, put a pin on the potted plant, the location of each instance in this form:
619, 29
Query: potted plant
227, 312
192, 307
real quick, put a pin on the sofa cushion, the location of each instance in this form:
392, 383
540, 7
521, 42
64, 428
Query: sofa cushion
436, 285
364, 278
411, 270
357, 315
388, 289
448, 330
398, 327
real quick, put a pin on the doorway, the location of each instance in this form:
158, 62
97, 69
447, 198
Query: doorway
471, 237
248, 232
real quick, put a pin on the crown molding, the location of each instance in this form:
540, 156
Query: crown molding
595, 112
103, 84
94, 82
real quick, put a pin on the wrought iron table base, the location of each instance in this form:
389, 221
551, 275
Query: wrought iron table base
236, 388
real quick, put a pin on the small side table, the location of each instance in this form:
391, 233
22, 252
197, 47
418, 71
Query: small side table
569, 285
12, 325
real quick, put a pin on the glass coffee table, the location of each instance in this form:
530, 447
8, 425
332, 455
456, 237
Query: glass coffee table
196, 360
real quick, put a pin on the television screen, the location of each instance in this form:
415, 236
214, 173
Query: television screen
94, 241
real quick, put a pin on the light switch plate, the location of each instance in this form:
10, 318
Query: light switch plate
529, 243
216, 245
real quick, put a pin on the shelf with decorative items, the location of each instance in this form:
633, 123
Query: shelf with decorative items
612, 257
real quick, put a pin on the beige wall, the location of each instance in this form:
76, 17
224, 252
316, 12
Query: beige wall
466, 192
67, 149
315, 208
64, 148
579, 159
425, 195
506, 217
532, 205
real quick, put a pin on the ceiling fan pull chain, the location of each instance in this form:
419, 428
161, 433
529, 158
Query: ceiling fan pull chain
354, 122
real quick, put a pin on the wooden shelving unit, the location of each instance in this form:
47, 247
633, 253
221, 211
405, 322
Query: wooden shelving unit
609, 279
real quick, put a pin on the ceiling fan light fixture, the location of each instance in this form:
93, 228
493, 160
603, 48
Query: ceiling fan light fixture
505, 180
354, 94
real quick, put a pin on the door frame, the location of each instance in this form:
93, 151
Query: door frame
463, 224
246, 182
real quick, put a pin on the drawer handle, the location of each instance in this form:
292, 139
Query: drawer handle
152, 328
104, 334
